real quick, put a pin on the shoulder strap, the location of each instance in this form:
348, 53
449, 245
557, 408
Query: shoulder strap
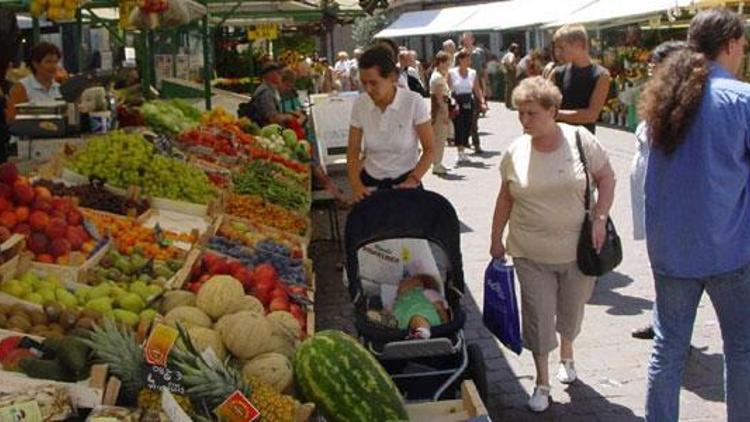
582, 156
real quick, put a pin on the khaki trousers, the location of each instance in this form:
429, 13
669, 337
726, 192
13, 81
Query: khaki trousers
552, 300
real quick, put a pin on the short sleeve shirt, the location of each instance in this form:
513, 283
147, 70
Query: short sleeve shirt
267, 102
548, 193
390, 140
437, 81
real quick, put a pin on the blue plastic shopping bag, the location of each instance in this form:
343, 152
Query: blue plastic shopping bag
500, 307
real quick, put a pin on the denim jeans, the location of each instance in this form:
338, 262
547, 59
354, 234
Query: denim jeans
674, 314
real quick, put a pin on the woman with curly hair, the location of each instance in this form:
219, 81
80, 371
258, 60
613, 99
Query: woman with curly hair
640, 163
698, 207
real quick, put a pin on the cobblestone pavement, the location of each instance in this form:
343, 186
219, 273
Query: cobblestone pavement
611, 365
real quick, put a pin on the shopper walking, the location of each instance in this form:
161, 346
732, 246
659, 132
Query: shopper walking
466, 91
584, 84
478, 63
388, 126
639, 165
440, 96
541, 199
698, 207
509, 63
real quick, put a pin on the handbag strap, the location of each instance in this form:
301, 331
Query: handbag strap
582, 156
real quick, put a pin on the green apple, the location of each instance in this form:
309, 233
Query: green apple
34, 298
131, 302
148, 315
48, 293
81, 294
128, 318
99, 291
13, 288
68, 299
102, 305
30, 278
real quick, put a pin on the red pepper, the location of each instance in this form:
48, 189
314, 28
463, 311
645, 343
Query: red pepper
9, 344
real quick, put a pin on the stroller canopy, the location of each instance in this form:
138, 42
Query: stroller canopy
402, 214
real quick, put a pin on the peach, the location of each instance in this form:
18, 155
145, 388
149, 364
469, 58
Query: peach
38, 243
45, 258
23, 193
56, 229
22, 228
38, 220
74, 217
8, 219
22, 213
42, 192
59, 247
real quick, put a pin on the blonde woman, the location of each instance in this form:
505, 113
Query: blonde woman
441, 122
542, 201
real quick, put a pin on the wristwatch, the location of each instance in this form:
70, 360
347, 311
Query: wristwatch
601, 217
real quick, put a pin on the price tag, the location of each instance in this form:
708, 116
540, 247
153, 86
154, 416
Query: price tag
161, 240
163, 378
27, 412
159, 343
237, 408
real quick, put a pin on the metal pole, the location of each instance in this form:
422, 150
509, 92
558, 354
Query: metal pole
78, 39
35, 33
143, 58
207, 61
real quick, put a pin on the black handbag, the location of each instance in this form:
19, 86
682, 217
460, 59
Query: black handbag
589, 262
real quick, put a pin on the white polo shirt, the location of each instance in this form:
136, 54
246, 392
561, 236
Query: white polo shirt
389, 139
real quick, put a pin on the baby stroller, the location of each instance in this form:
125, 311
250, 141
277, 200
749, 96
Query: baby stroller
377, 229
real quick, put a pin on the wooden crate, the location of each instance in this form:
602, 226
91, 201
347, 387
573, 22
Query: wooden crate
469, 406
95, 391
13, 247
73, 273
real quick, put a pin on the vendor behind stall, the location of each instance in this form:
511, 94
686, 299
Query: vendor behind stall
265, 106
40, 86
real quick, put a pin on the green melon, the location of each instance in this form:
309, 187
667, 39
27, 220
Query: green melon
345, 381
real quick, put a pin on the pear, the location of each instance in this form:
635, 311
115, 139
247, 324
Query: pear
131, 302
103, 305
68, 299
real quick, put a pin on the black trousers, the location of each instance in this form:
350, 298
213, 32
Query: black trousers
463, 123
379, 184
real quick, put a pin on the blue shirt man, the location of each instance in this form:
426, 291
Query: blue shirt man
697, 198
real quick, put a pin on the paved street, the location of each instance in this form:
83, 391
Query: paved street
611, 365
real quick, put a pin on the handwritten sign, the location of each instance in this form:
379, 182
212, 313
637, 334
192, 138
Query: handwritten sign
264, 31
163, 378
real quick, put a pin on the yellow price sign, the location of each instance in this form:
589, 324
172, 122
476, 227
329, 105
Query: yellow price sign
264, 31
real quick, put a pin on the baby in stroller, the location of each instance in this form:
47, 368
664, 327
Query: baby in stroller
417, 307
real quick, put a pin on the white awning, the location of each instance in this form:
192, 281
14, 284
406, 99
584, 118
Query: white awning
428, 22
603, 11
530, 13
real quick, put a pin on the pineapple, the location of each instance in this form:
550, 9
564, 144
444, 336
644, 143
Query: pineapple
207, 382
118, 349
211, 382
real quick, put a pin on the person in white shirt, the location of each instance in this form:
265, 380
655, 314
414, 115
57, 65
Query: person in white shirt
467, 92
341, 70
354, 70
388, 126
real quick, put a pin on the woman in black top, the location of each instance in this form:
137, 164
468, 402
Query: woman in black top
584, 84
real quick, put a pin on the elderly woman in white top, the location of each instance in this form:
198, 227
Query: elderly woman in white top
542, 200
388, 125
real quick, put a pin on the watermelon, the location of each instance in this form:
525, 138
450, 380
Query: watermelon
345, 381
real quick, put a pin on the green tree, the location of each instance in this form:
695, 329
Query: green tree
365, 28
